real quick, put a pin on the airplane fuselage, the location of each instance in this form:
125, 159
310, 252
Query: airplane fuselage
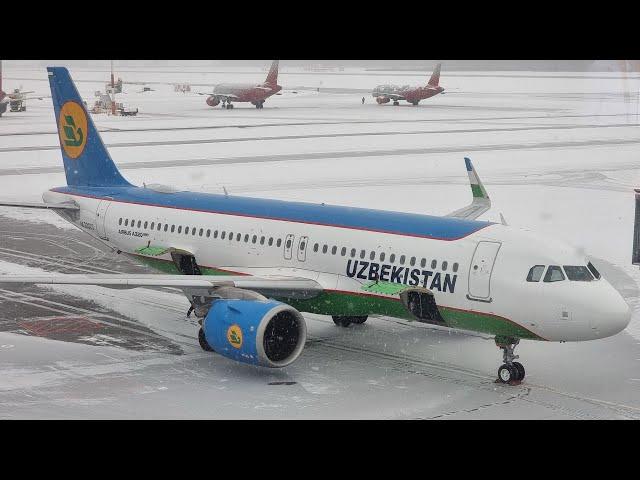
253, 93
407, 93
362, 258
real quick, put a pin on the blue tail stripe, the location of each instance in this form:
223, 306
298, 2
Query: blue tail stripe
93, 166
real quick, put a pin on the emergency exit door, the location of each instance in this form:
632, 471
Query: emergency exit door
480, 270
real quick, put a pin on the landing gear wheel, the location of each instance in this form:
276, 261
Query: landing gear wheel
342, 321
358, 320
520, 368
507, 373
510, 371
203, 342
396, 103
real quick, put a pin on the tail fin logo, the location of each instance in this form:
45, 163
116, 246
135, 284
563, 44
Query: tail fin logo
72, 128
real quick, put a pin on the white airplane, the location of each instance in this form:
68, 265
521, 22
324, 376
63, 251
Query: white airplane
249, 266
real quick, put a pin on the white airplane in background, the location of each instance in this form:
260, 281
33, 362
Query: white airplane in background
249, 266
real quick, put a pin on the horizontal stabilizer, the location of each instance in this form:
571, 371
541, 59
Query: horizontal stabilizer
50, 206
481, 201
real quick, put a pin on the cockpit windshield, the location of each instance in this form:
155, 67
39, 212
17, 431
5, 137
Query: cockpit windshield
578, 273
593, 270
554, 274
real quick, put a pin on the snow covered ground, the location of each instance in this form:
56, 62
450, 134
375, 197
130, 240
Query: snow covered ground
558, 154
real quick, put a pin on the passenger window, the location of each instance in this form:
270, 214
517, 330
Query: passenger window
120, 222
194, 230
334, 249
535, 274
166, 226
362, 253
434, 264
315, 247
215, 234
279, 242
289, 245
343, 252
262, 241
238, 237
353, 253
133, 223
139, 223
145, 225
201, 232
270, 241
186, 230
402, 257
382, 255
208, 232
246, 238
159, 226
413, 261
230, 236
302, 245
324, 249
372, 255
153, 225
392, 258
578, 273
173, 228
126, 222
554, 274
423, 262
455, 267
593, 270
444, 266
254, 239
222, 235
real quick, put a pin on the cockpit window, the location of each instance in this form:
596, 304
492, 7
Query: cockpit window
535, 274
593, 270
554, 274
578, 273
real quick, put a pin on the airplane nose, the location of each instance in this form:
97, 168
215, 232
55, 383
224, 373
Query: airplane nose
615, 316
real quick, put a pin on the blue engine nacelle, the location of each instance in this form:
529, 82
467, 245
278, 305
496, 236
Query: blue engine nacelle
260, 332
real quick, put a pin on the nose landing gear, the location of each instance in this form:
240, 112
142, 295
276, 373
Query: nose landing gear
510, 372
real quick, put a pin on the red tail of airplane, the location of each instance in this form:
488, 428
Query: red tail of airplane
435, 77
272, 77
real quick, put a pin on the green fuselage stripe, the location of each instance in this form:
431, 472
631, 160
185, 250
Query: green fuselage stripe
356, 304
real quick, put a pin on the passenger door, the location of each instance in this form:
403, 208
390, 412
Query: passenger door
480, 270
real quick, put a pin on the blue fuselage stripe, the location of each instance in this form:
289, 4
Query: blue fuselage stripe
398, 223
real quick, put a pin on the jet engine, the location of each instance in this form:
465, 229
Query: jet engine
382, 100
212, 101
261, 332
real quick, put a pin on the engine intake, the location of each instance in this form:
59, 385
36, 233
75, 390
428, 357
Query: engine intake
212, 101
261, 332
382, 100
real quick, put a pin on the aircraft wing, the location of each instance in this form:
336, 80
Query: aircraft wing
220, 96
481, 201
50, 206
392, 96
268, 285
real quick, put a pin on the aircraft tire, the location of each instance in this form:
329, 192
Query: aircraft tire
395, 104
342, 321
359, 320
507, 373
203, 342
520, 370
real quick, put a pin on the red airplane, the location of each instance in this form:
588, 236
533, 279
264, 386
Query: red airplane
4, 100
386, 93
244, 92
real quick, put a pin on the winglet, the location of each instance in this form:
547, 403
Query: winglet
477, 188
481, 201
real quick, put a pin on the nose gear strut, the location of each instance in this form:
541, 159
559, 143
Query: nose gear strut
510, 372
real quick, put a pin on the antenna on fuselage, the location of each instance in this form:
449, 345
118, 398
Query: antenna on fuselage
504, 222
226, 194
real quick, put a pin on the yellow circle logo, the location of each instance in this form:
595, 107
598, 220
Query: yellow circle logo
234, 336
72, 128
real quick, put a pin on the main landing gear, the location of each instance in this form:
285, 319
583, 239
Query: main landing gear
346, 321
510, 372
259, 105
203, 342
396, 103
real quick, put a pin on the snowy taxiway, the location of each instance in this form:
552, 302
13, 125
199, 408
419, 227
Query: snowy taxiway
557, 152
